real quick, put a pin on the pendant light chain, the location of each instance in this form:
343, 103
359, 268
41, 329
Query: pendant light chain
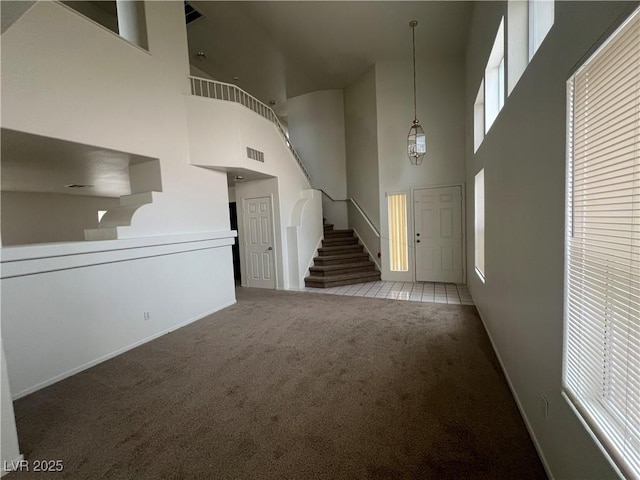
416, 140
415, 108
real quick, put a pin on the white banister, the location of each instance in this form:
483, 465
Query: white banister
203, 87
358, 208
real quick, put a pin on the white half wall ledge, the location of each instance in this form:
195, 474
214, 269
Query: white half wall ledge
95, 305
35, 259
304, 236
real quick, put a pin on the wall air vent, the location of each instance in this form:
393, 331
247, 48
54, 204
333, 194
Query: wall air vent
254, 154
190, 13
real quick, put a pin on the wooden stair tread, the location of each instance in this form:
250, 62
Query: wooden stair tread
338, 233
355, 246
344, 256
330, 242
342, 266
339, 280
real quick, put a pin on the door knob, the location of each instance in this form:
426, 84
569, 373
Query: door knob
270, 248
417, 241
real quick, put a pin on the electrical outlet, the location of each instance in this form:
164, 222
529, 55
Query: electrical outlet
147, 316
544, 403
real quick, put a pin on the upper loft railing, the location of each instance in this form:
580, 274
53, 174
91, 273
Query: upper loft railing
203, 87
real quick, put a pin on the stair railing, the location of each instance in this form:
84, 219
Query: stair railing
358, 207
203, 87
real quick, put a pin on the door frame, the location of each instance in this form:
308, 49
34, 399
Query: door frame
463, 219
273, 241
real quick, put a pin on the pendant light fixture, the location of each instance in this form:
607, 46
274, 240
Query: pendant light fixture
416, 140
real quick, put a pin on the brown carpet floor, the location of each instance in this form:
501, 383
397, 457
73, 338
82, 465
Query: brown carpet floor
288, 385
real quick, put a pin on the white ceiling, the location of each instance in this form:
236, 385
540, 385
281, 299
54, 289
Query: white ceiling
32, 163
278, 49
282, 49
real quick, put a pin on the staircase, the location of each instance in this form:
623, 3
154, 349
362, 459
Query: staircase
341, 261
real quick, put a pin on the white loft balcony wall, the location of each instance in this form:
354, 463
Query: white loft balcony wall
103, 91
220, 132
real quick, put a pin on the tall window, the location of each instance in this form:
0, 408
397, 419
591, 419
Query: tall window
494, 80
398, 254
478, 118
479, 224
517, 41
541, 18
602, 306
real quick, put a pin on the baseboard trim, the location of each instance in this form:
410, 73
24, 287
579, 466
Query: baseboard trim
532, 434
375, 258
15, 462
108, 356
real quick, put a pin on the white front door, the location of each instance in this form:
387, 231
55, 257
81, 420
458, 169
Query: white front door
438, 234
258, 233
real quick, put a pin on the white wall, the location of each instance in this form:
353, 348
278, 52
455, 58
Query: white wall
361, 129
317, 131
219, 132
9, 448
29, 217
440, 109
297, 227
104, 91
100, 90
523, 155
91, 298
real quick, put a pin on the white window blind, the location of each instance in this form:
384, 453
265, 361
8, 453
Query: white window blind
398, 254
479, 223
602, 304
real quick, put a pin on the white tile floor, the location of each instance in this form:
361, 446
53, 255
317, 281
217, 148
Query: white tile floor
415, 292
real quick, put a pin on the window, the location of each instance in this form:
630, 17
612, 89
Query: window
101, 214
541, 17
479, 224
478, 118
601, 374
127, 19
494, 80
517, 41
398, 254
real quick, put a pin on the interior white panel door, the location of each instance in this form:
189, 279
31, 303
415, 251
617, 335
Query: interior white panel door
438, 234
259, 254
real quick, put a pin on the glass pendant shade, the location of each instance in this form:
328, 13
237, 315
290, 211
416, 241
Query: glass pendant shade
416, 144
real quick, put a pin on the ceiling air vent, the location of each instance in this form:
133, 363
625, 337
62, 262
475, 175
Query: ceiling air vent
190, 13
